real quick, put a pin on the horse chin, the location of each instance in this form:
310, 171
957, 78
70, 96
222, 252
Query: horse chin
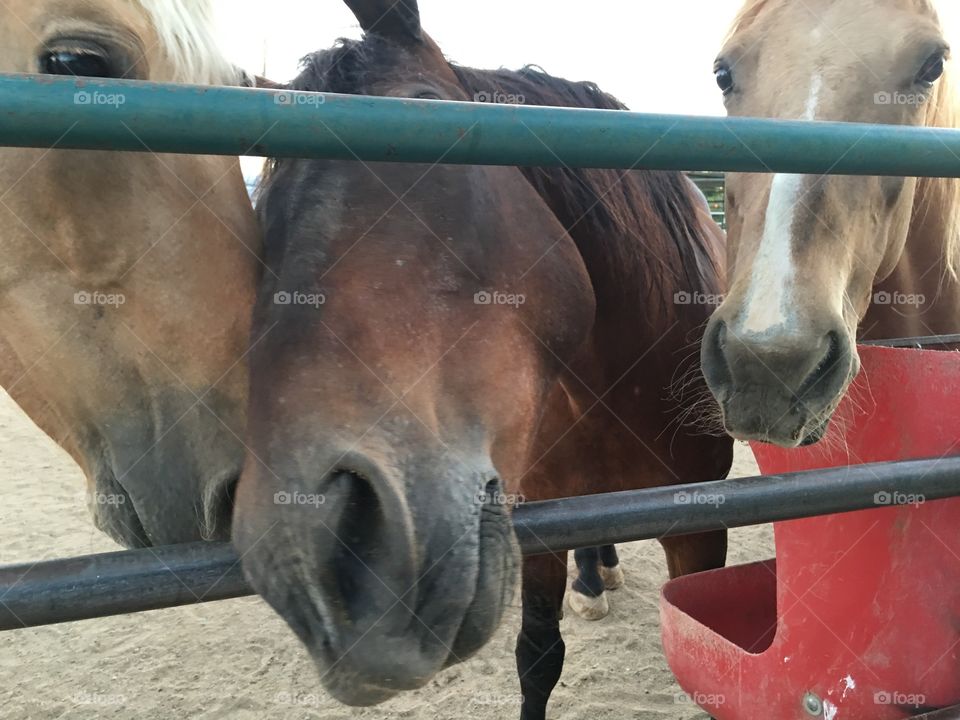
352, 692
356, 688
365, 685
114, 509
114, 513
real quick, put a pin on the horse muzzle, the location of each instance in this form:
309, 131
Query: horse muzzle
385, 584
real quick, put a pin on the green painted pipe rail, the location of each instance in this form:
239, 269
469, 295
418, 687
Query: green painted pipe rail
45, 111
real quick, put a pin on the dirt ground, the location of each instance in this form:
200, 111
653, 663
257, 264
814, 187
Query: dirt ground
237, 660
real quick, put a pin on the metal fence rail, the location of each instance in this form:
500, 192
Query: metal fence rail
115, 583
44, 111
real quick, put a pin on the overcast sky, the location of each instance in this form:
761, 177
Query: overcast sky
654, 56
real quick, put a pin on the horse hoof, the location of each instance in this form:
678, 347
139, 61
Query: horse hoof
612, 577
589, 608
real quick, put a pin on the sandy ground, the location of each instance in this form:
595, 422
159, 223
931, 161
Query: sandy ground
236, 659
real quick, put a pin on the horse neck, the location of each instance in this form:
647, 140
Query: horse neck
923, 270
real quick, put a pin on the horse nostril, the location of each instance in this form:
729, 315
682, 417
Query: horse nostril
358, 535
828, 364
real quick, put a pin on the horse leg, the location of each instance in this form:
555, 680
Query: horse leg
540, 648
610, 569
695, 553
587, 597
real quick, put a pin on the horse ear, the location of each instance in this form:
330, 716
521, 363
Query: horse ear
395, 19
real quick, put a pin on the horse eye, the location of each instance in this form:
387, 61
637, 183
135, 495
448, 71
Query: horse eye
428, 95
932, 70
724, 79
81, 63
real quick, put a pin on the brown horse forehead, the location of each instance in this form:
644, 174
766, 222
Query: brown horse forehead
320, 214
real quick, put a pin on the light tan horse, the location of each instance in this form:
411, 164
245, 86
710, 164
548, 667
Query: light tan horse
127, 279
817, 261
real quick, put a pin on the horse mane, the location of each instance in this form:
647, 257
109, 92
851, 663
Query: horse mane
185, 29
942, 195
640, 227
347, 67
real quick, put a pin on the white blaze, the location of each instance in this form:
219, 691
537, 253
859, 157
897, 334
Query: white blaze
770, 294
768, 300
813, 100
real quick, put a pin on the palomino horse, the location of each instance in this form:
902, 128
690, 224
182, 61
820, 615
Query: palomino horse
816, 262
446, 340
129, 279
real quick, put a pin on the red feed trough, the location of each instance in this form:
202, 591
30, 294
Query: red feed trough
859, 616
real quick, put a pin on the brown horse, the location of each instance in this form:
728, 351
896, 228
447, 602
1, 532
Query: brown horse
128, 279
817, 261
444, 342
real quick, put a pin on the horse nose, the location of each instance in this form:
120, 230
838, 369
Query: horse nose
773, 383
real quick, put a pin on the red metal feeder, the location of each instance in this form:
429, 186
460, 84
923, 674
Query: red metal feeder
858, 618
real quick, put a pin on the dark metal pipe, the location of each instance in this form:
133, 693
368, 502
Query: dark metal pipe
950, 713
931, 342
682, 510
115, 583
151, 578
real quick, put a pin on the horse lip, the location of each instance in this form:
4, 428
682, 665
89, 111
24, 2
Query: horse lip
354, 693
346, 684
346, 687
761, 438
343, 683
